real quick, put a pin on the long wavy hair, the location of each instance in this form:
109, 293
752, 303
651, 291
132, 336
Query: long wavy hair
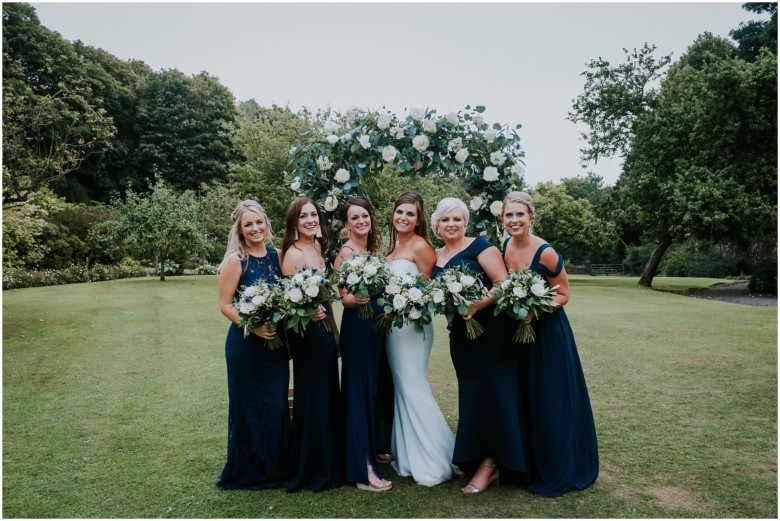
236, 244
291, 225
421, 228
374, 236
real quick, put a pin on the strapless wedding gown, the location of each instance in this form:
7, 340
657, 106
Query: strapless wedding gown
422, 442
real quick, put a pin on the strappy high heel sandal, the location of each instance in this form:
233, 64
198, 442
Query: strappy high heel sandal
471, 489
383, 486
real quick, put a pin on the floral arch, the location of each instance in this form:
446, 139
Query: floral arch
333, 165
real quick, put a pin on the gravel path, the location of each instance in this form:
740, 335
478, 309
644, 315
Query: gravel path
736, 292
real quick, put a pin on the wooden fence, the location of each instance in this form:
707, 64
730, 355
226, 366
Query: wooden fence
597, 269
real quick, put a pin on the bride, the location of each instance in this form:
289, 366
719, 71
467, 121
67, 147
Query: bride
422, 442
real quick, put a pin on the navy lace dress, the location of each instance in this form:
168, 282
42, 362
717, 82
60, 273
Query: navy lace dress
361, 352
561, 432
317, 451
258, 417
489, 423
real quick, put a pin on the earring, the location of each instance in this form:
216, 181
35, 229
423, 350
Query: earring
296, 234
319, 232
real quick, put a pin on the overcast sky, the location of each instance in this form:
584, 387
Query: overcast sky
521, 60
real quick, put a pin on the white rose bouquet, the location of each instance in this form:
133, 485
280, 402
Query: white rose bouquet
523, 293
405, 300
362, 275
454, 291
261, 304
303, 293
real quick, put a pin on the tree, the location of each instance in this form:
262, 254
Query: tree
755, 35
590, 187
703, 164
160, 225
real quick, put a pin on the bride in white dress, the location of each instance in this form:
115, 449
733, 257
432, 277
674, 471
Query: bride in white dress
422, 442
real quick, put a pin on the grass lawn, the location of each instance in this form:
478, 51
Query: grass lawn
115, 405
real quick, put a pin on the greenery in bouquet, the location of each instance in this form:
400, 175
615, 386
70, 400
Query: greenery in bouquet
336, 161
521, 294
261, 304
454, 291
303, 293
363, 275
405, 300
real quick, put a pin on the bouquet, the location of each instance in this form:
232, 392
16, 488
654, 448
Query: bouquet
258, 305
523, 293
405, 300
303, 293
362, 275
454, 291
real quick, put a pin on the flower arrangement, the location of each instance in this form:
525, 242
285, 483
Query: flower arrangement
362, 275
333, 164
405, 300
522, 293
454, 291
261, 304
303, 293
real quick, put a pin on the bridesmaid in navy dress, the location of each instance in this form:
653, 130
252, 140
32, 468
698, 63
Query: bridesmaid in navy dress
561, 431
317, 451
361, 349
489, 434
258, 418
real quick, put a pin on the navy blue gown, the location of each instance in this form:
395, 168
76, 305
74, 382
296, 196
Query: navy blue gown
317, 451
561, 432
361, 351
258, 417
488, 404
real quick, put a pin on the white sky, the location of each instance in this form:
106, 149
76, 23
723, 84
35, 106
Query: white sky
521, 60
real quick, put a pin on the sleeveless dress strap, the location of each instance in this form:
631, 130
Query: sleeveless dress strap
541, 268
478, 245
503, 248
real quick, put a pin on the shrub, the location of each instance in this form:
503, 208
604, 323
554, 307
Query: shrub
14, 278
637, 257
206, 269
686, 261
764, 277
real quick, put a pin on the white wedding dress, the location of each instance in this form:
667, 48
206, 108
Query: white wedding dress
422, 442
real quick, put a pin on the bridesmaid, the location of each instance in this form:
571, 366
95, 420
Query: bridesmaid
361, 348
489, 433
317, 438
561, 431
258, 418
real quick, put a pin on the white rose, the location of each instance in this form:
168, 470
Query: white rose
417, 113
429, 125
495, 208
353, 279
313, 290
251, 291
462, 155
406, 279
438, 296
298, 278
332, 139
456, 144
323, 163
315, 279
365, 141
421, 142
383, 121
246, 307
467, 281
415, 313
538, 289
389, 153
519, 292
397, 132
342, 175
295, 185
258, 300
505, 284
351, 114
490, 174
518, 169
393, 289
295, 295
455, 287
479, 120
330, 127
331, 203
415, 294
370, 270
399, 301
490, 135
476, 203
497, 158
452, 118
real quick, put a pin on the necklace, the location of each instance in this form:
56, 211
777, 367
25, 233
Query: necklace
448, 254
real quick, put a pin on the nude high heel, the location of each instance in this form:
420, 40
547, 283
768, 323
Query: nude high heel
471, 489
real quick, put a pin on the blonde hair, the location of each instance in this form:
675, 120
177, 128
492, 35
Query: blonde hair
444, 207
519, 197
236, 245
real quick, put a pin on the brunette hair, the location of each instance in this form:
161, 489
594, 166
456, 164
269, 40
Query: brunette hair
236, 244
291, 224
421, 228
374, 236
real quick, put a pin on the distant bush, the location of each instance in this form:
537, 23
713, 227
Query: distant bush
764, 278
206, 269
14, 278
685, 262
637, 257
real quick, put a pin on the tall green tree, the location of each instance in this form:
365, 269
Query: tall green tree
755, 35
